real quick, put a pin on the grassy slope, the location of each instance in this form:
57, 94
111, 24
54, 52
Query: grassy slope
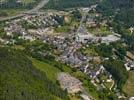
129, 86
50, 70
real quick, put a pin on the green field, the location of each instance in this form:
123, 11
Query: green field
50, 70
23, 1
12, 12
129, 86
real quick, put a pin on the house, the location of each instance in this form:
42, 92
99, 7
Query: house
129, 66
131, 98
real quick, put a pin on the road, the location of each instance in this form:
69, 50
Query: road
35, 9
81, 23
39, 6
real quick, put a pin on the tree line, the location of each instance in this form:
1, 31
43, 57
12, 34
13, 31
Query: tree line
63, 4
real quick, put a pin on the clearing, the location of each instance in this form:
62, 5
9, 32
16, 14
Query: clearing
129, 86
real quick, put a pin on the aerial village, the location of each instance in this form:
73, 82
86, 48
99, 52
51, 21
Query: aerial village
72, 44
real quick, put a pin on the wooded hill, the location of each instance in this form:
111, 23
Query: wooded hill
122, 12
19, 4
20, 80
122, 9
63, 4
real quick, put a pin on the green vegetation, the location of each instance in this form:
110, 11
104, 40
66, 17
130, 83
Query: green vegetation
68, 22
120, 50
52, 67
99, 31
129, 39
28, 1
76, 15
3, 14
63, 4
13, 7
104, 50
10, 12
123, 17
129, 85
14, 4
62, 29
118, 71
2, 33
20, 80
121, 7
90, 51
50, 70
63, 25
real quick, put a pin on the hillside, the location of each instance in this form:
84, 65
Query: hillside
63, 4
122, 9
14, 7
20, 80
121, 12
24, 4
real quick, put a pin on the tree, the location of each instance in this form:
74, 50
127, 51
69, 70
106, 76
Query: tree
104, 50
118, 71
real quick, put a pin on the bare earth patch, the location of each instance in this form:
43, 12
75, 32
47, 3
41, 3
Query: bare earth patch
129, 86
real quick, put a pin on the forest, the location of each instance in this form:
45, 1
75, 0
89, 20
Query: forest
122, 9
118, 71
20, 80
13, 4
122, 13
63, 4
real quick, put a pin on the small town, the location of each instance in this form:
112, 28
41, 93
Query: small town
89, 59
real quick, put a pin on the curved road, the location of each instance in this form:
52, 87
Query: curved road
35, 9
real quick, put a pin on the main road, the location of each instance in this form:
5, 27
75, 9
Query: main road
35, 9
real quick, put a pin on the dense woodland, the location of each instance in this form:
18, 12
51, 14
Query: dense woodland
63, 4
117, 69
9, 4
122, 9
20, 80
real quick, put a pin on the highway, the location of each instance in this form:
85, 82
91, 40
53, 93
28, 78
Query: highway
39, 6
35, 9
